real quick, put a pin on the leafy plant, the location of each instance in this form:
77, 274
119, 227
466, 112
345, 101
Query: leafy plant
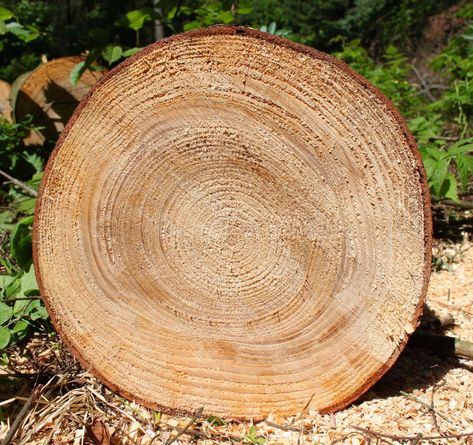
391, 76
252, 437
20, 306
14, 156
437, 162
9, 24
446, 156
272, 28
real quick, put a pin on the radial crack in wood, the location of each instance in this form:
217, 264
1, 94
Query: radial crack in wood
234, 221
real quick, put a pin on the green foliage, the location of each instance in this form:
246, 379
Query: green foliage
252, 437
391, 76
25, 33
272, 28
135, 19
215, 421
200, 14
377, 23
449, 166
20, 306
14, 156
437, 162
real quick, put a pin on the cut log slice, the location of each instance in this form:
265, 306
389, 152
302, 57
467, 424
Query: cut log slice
5, 106
48, 94
236, 222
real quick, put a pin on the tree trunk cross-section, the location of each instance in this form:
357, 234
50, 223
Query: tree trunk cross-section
235, 222
49, 96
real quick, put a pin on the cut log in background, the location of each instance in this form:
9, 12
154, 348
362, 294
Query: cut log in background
236, 222
5, 106
48, 94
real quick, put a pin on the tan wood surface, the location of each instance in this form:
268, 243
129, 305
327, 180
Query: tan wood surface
235, 222
5, 106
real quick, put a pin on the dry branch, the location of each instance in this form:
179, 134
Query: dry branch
19, 184
22, 414
442, 344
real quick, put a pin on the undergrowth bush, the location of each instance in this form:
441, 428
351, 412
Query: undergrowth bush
442, 124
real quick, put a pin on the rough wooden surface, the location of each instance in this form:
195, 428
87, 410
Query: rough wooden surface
235, 222
5, 106
48, 95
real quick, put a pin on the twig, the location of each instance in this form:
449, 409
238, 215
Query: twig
434, 413
424, 84
20, 184
22, 414
442, 344
192, 432
184, 430
450, 202
284, 427
445, 138
21, 298
429, 407
409, 438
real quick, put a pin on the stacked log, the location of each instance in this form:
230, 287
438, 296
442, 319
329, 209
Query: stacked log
48, 94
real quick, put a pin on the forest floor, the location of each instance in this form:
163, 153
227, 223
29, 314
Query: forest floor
423, 397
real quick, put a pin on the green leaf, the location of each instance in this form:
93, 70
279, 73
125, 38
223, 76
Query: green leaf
131, 52
5, 312
449, 188
436, 153
39, 312
214, 420
3, 28
462, 146
5, 14
26, 205
192, 25
20, 243
244, 7
134, 19
77, 72
22, 307
10, 284
20, 329
26, 34
225, 17
34, 160
7, 216
112, 53
29, 286
4, 337
80, 68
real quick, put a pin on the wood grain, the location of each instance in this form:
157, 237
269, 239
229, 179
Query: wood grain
234, 221
5, 106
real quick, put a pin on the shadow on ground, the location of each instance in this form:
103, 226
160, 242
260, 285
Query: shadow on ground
416, 368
